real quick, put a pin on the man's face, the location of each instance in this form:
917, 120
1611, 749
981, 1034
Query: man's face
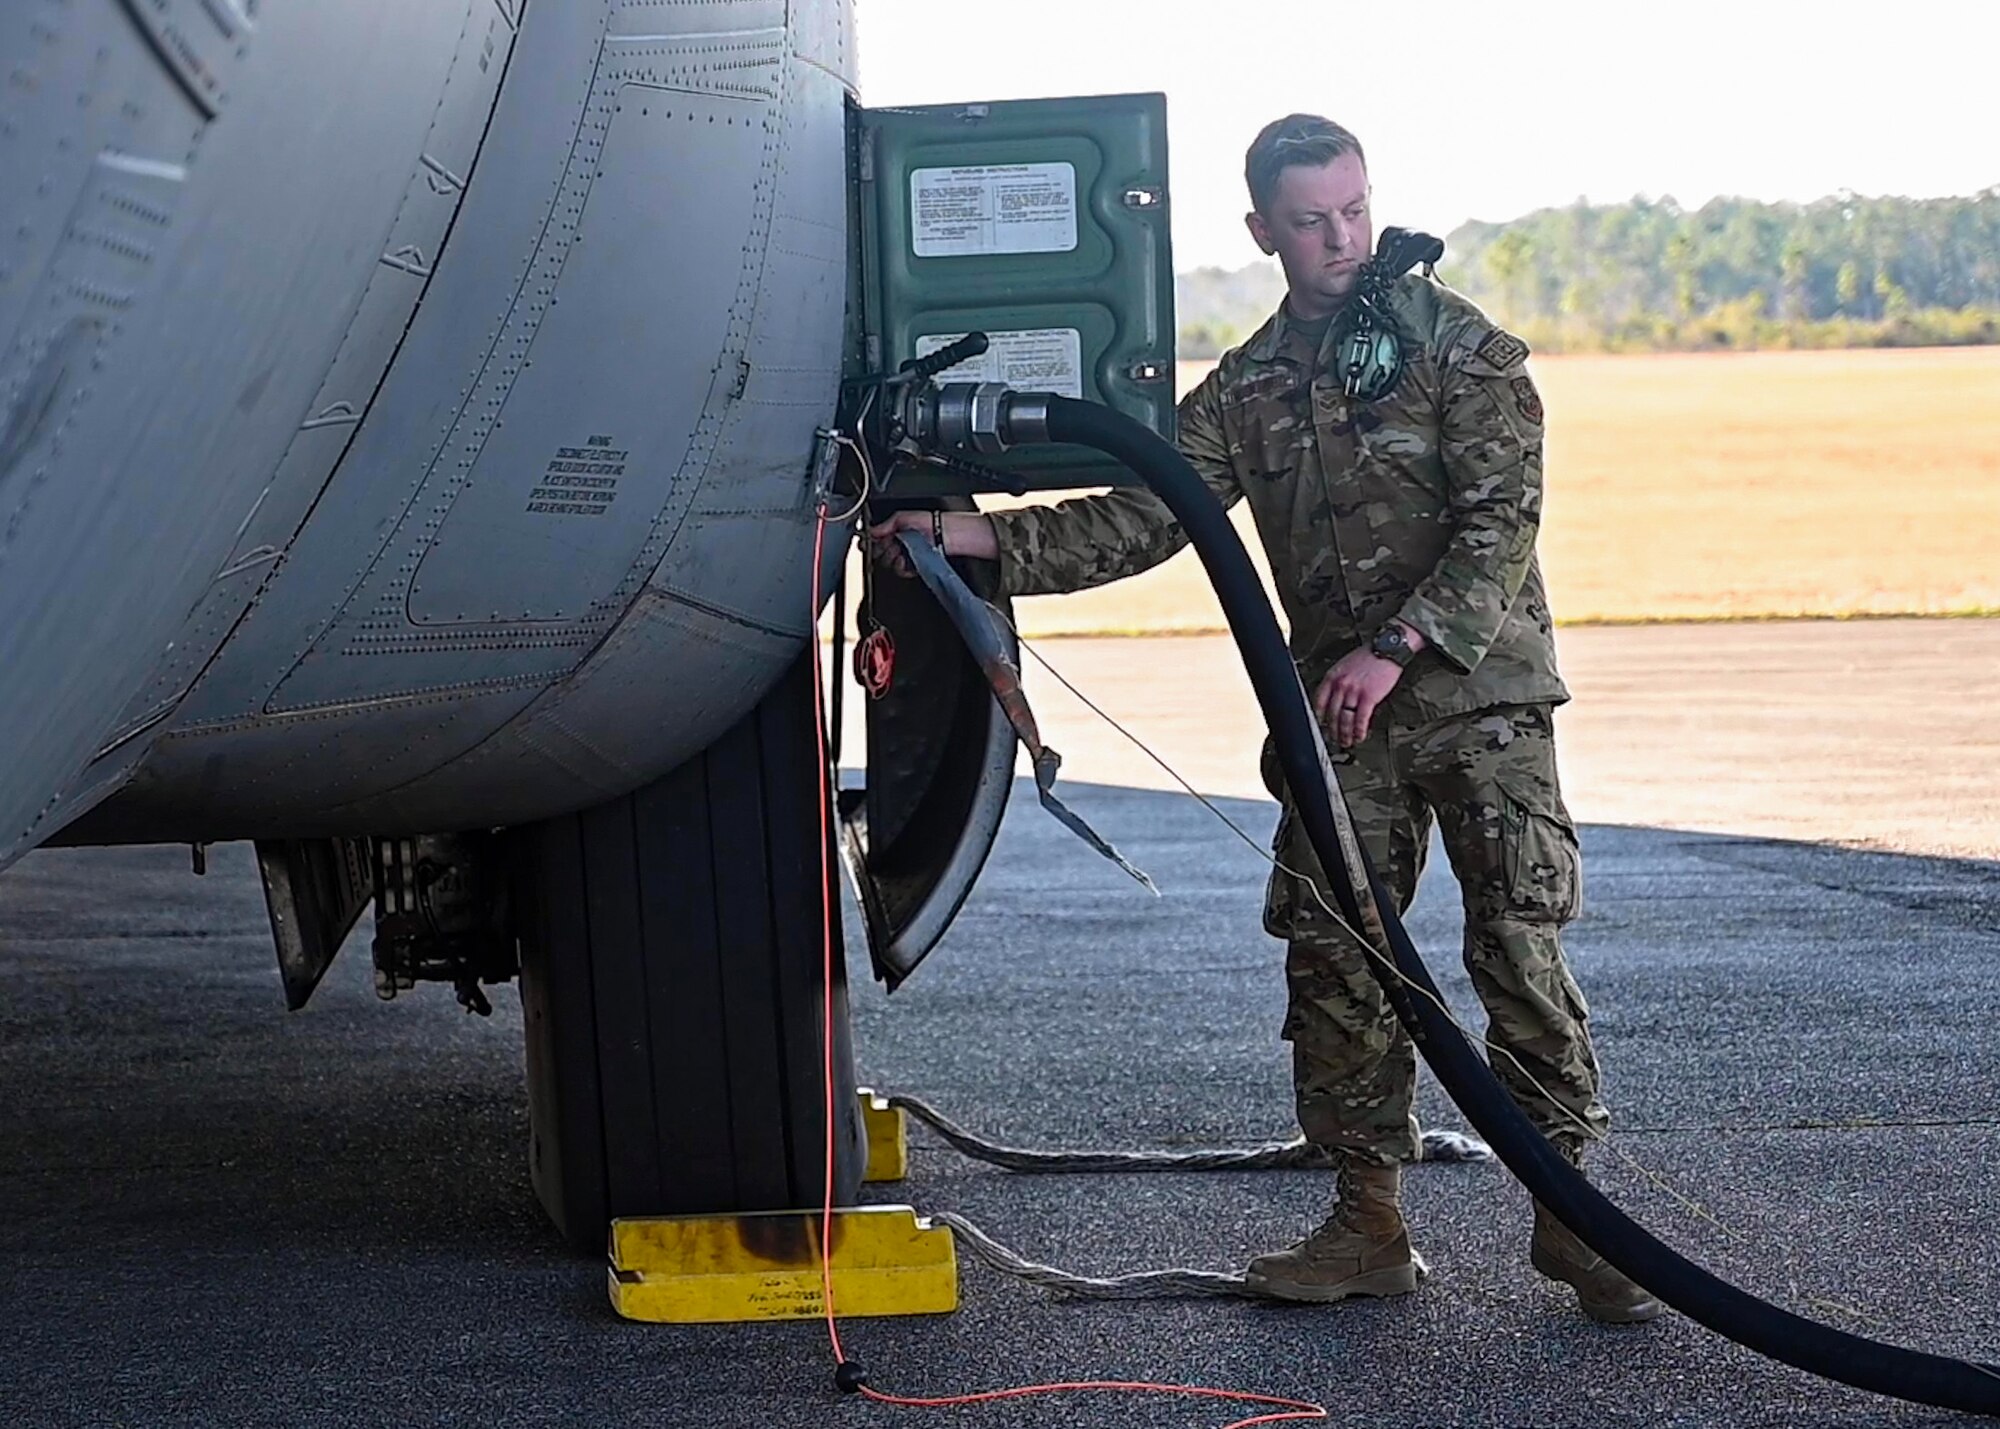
1320, 230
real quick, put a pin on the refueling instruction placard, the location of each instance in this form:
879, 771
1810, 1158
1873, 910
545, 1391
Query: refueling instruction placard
993, 208
1042, 359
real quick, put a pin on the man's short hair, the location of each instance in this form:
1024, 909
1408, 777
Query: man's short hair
1295, 139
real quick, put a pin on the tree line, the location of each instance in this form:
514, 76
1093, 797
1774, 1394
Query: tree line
1646, 275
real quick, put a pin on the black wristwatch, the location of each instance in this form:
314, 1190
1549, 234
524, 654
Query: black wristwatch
1391, 644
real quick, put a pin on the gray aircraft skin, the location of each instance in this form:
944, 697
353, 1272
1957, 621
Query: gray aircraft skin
406, 410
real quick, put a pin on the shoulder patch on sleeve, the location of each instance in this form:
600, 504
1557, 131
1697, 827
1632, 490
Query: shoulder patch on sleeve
1500, 349
1527, 400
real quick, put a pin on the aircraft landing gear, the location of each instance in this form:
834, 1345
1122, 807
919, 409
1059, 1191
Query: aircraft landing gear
670, 983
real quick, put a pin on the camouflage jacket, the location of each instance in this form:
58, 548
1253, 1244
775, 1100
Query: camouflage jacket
1422, 506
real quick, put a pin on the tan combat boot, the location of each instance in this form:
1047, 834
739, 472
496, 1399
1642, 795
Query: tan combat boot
1363, 1248
1603, 1291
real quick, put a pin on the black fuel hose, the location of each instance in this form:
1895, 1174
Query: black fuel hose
1679, 1282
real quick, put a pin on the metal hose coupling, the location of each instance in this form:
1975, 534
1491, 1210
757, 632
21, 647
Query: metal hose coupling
982, 418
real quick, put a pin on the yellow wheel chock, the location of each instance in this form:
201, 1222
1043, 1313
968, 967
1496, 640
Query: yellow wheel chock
724, 1269
888, 1138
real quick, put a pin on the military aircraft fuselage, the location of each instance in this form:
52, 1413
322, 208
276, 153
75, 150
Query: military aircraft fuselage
406, 410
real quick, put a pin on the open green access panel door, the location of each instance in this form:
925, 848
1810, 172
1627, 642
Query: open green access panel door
1042, 223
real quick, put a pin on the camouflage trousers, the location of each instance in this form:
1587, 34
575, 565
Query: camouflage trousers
1489, 779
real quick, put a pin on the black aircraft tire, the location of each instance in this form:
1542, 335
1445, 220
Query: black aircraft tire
670, 983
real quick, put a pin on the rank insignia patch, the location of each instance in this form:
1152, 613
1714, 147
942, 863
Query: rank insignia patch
1501, 349
1528, 400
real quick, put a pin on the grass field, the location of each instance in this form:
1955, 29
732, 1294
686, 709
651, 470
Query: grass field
1698, 486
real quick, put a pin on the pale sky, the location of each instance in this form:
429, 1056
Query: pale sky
1489, 110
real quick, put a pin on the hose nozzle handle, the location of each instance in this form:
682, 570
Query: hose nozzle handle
950, 355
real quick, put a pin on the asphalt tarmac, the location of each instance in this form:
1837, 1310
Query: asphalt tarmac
212, 1212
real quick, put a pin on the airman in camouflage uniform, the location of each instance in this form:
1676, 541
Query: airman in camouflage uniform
1419, 511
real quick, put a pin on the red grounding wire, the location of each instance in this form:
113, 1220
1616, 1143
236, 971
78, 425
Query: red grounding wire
1290, 1410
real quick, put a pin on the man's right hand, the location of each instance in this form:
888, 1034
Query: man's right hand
966, 533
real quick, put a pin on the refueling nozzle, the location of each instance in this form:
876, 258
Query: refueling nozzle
960, 418
908, 414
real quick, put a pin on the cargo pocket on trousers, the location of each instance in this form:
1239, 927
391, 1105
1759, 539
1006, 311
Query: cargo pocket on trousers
1291, 905
1543, 865
1281, 892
